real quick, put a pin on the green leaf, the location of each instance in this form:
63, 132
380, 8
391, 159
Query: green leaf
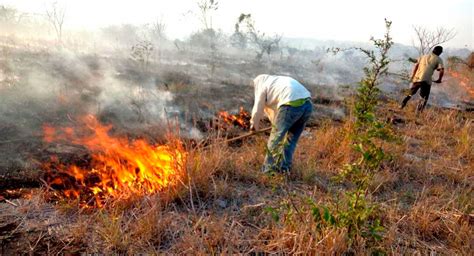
328, 217
316, 214
273, 212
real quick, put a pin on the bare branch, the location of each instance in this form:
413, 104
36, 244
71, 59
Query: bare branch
55, 15
158, 29
262, 42
206, 7
428, 39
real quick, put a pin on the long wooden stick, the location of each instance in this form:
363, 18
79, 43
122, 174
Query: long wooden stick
248, 134
238, 137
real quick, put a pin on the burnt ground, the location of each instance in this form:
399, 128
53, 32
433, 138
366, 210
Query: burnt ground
54, 87
424, 194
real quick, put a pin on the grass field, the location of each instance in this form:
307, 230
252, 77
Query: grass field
224, 205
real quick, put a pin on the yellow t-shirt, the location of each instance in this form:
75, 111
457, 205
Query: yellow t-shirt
427, 64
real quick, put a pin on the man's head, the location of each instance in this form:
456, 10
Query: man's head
438, 50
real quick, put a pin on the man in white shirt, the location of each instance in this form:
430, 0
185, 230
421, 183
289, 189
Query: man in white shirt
287, 104
422, 76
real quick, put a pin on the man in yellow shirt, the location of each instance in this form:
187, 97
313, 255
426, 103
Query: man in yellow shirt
422, 76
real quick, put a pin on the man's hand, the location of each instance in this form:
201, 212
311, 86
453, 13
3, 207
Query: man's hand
441, 73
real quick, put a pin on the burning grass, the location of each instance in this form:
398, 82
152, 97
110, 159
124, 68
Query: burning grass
118, 168
224, 205
463, 77
242, 119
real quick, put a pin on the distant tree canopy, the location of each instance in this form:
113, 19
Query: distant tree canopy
10, 16
208, 38
246, 32
14, 21
238, 40
126, 34
454, 61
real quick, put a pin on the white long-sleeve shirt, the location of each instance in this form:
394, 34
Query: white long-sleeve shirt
271, 92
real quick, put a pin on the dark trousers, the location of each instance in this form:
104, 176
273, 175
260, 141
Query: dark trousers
424, 88
287, 129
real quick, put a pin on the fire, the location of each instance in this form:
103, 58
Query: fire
242, 119
464, 82
117, 168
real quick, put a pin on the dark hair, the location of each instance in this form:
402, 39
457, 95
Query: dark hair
438, 50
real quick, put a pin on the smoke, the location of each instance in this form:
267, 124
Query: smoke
56, 87
141, 83
64, 82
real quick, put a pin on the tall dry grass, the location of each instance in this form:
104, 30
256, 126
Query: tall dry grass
224, 205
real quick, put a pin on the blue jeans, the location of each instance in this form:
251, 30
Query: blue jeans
288, 126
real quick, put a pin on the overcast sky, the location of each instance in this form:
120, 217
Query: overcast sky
351, 20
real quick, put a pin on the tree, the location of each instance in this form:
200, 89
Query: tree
292, 51
206, 7
141, 53
55, 15
207, 37
157, 30
355, 211
11, 18
238, 40
263, 43
207, 34
8, 15
428, 39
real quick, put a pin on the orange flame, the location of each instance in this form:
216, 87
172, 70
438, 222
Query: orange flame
242, 119
464, 82
118, 167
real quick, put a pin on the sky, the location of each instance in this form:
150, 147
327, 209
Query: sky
345, 20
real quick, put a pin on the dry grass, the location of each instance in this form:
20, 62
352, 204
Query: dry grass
222, 206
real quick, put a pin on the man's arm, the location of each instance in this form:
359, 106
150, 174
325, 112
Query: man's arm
258, 107
441, 71
441, 74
